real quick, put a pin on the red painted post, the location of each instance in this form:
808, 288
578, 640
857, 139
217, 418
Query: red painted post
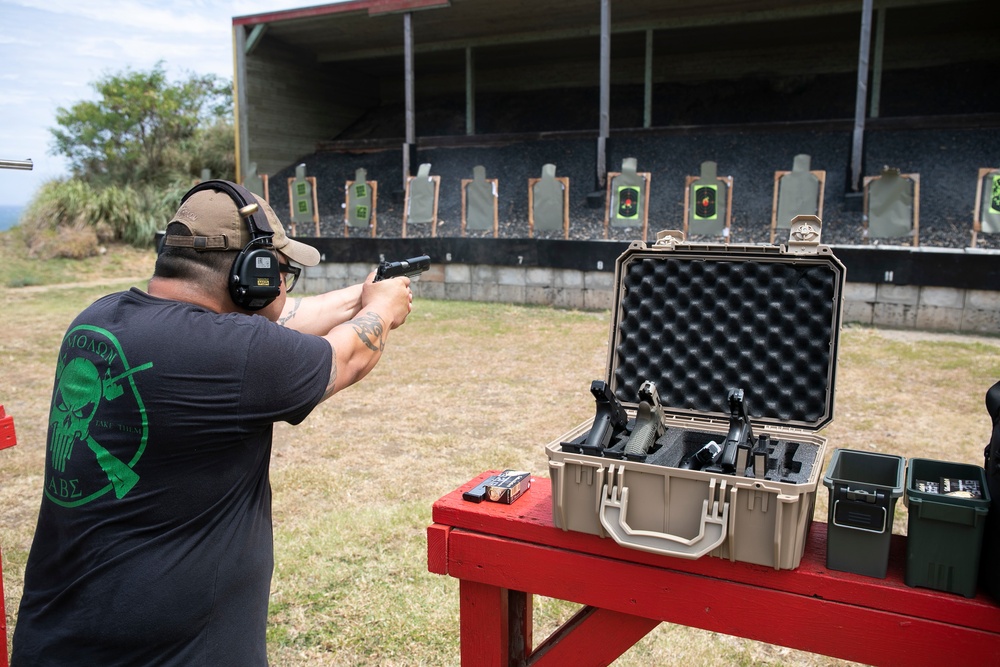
7, 436
3, 619
7, 439
484, 629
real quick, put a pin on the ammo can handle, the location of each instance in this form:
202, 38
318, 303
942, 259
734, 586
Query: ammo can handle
860, 509
614, 509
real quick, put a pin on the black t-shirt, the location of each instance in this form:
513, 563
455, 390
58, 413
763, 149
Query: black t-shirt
153, 543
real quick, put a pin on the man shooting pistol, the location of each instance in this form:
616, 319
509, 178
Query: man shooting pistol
407, 267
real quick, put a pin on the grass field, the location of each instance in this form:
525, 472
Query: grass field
463, 387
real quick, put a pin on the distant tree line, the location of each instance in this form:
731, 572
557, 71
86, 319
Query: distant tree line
132, 153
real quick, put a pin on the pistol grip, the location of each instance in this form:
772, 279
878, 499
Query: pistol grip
642, 439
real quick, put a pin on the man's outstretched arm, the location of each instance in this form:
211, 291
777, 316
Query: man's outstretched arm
359, 342
319, 314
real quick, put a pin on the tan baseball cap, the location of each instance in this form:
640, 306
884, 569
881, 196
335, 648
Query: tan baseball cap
214, 221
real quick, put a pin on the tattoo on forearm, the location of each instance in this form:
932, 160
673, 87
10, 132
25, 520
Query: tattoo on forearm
291, 313
333, 374
371, 330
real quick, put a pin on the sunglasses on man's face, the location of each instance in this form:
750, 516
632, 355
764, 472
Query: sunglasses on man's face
291, 274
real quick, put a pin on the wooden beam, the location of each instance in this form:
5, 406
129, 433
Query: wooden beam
253, 40
411, 132
383, 7
470, 92
674, 22
876, 95
371, 7
408, 77
857, 143
647, 97
604, 117
241, 120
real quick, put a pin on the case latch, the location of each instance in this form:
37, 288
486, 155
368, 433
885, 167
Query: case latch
803, 237
668, 238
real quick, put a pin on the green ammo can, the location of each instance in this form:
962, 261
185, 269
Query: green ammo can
863, 487
945, 526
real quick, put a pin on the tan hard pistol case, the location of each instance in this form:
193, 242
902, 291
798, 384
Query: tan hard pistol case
734, 345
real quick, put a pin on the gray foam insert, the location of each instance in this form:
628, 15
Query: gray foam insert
699, 327
788, 461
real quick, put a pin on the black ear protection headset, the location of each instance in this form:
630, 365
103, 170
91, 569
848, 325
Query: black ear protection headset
255, 278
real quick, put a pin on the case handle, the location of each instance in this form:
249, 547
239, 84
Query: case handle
614, 509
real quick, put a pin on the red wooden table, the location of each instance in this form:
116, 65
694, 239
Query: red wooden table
503, 554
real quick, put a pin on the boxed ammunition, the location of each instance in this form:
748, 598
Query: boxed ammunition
947, 486
508, 486
961, 488
505, 487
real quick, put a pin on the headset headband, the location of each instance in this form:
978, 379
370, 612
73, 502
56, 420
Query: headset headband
242, 198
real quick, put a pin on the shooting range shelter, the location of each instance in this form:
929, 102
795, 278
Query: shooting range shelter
309, 77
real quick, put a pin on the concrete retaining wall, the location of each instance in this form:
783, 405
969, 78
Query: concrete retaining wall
900, 306
926, 308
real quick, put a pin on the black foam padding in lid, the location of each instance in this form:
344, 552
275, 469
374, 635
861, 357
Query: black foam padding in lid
701, 326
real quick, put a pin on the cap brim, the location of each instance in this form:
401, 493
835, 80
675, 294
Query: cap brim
300, 253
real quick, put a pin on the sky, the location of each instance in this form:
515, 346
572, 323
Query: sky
52, 51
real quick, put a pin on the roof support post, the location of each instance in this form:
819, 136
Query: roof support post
411, 134
647, 101
240, 115
857, 143
877, 62
605, 100
470, 92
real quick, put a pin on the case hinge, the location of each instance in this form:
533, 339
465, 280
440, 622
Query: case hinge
803, 237
668, 239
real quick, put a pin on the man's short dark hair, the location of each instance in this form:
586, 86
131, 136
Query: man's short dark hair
191, 264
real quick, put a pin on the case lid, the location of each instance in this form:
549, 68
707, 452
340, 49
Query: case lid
701, 319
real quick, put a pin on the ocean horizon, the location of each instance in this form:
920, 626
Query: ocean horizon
9, 215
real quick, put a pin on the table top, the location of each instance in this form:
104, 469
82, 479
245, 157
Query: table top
529, 519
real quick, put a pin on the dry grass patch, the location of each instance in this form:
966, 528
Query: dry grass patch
466, 387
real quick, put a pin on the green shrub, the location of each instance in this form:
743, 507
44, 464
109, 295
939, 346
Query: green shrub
56, 222
114, 207
71, 218
71, 242
58, 203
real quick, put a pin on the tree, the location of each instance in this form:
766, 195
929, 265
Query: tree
136, 129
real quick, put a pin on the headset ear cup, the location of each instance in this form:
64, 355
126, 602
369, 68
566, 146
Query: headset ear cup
255, 279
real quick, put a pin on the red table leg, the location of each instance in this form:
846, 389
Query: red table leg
484, 627
3, 619
495, 625
8, 438
593, 636
496, 631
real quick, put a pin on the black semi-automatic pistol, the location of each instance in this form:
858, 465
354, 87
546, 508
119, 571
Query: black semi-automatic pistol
736, 451
407, 267
701, 458
648, 423
609, 421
